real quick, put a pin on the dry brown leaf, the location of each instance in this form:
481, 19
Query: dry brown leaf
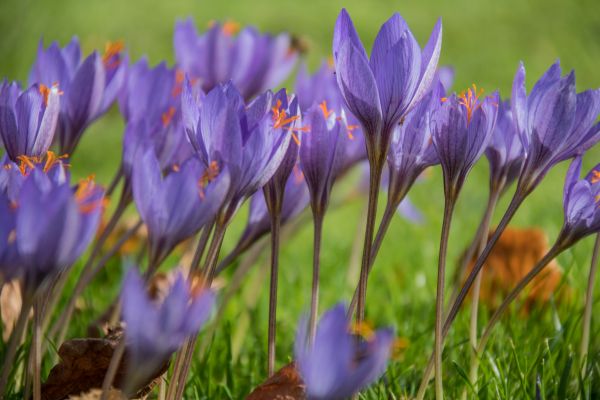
515, 254
285, 384
133, 244
10, 307
82, 367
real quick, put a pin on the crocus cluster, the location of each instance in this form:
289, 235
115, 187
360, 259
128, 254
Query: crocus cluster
214, 133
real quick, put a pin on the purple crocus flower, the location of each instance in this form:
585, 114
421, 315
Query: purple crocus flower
411, 150
177, 206
54, 223
554, 122
251, 141
90, 85
320, 154
321, 88
8, 253
462, 127
337, 365
254, 62
505, 151
28, 119
581, 200
155, 331
380, 91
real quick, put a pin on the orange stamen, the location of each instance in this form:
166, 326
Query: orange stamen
364, 330
45, 91
84, 191
209, 175
112, 50
326, 112
230, 28
27, 163
595, 176
470, 100
175, 168
167, 116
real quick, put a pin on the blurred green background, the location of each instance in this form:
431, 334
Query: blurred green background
483, 41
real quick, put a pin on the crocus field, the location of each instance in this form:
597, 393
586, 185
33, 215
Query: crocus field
299, 200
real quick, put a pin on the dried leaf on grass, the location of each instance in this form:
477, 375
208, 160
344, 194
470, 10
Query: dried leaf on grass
285, 384
515, 254
82, 367
10, 307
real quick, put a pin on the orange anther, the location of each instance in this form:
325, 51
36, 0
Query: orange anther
167, 116
112, 50
595, 176
326, 112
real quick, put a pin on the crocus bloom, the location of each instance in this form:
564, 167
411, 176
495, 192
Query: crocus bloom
54, 225
505, 151
554, 122
336, 365
320, 154
411, 149
462, 127
251, 141
581, 201
321, 88
254, 62
175, 207
28, 119
8, 254
90, 85
380, 91
154, 331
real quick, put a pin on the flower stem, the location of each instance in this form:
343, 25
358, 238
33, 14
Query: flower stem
272, 334
480, 246
36, 347
13, 343
111, 372
589, 300
549, 256
374, 183
314, 293
439, 303
201, 247
453, 312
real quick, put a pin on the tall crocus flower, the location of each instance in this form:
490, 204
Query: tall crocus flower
28, 119
254, 62
461, 128
321, 88
320, 154
155, 331
380, 91
335, 365
175, 207
90, 85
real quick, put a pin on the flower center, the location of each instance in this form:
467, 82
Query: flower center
112, 51
45, 91
28, 163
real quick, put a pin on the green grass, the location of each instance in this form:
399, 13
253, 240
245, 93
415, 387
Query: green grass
484, 41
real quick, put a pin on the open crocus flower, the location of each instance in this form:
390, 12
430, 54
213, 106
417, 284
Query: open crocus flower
54, 223
177, 206
380, 90
28, 119
90, 85
337, 365
321, 88
581, 202
554, 122
155, 331
250, 141
462, 126
505, 151
254, 62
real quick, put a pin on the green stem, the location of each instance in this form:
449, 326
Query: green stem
589, 300
314, 293
272, 334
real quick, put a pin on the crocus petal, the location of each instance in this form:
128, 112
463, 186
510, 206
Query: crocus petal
344, 31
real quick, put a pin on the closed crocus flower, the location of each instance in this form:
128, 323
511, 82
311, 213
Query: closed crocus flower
320, 154
250, 141
54, 225
8, 253
175, 207
380, 90
554, 122
254, 62
155, 331
581, 203
505, 151
336, 364
462, 126
28, 119
90, 85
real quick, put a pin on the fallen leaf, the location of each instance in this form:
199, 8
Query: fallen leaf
514, 255
285, 384
82, 367
10, 307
